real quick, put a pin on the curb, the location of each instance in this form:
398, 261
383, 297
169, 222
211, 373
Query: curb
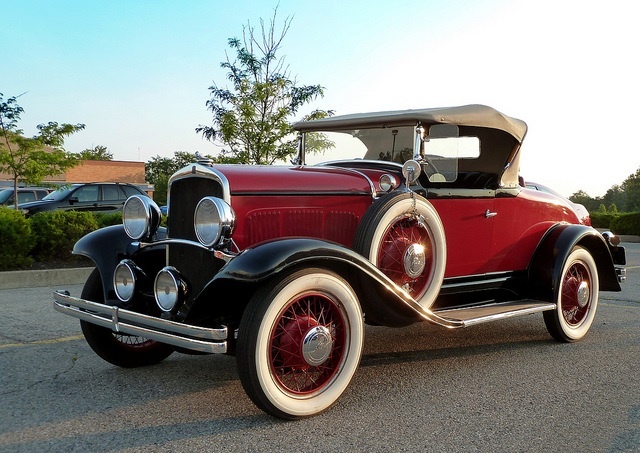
44, 277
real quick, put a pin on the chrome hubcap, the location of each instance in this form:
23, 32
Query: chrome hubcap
317, 345
583, 294
414, 260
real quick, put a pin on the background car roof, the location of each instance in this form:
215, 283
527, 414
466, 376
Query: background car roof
466, 115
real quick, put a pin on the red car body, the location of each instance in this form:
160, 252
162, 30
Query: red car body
409, 216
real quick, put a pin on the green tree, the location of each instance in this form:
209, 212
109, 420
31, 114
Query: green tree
583, 198
32, 159
252, 118
631, 187
159, 169
615, 195
602, 209
98, 152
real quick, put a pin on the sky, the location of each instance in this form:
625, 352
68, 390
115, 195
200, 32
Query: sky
137, 73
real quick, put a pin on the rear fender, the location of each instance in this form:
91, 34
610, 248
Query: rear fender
259, 265
545, 270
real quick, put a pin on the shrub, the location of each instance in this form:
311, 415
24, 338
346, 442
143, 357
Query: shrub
602, 219
16, 240
57, 231
627, 223
105, 220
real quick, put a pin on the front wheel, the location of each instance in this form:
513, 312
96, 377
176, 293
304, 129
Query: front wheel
127, 351
577, 298
299, 343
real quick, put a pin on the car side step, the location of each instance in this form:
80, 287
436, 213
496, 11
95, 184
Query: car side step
477, 314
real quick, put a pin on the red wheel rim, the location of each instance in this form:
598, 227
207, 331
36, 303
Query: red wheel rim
291, 369
401, 235
576, 294
133, 342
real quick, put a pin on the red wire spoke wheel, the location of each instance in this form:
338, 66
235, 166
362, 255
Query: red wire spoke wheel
403, 236
299, 343
576, 299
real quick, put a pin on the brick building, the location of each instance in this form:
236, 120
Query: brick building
96, 171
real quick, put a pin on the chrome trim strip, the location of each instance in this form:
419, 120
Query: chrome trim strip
220, 254
374, 193
202, 339
175, 241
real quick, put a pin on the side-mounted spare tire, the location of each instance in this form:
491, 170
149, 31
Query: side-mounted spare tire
403, 236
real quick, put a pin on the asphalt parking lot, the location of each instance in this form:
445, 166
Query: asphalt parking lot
504, 386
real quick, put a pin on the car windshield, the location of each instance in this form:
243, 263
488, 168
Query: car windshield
59, 194
388, 144
5, 194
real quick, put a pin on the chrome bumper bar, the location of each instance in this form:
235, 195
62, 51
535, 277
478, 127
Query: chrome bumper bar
202, 339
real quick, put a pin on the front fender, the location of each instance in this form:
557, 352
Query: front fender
106, 247
259, 265
545, 270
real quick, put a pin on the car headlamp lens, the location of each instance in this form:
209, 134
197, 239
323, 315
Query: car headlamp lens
140, 216
169, 288
213, 220
387, 182
124, 280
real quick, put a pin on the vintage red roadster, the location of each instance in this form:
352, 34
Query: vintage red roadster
387, 218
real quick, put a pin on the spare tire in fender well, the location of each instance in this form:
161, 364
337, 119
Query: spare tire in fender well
402, 235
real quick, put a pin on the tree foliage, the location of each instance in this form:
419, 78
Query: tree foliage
98, 152
159, 169
32, 159
252, 116
624, 197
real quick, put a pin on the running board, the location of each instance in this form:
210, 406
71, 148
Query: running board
469, 316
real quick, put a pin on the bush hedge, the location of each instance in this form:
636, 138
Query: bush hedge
619, 223
57, 231
627, 223
16, 240
45, 237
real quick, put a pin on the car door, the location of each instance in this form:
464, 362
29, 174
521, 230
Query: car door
468, 226
111, 198
84, 198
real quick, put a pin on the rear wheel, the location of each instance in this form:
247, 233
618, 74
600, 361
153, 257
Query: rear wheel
577, 298
127, 351
299, 343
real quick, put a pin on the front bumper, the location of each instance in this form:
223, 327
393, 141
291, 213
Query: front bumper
195, 338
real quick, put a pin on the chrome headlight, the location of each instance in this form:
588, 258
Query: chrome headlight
388, 182
213, 220
169, 289
140, 216
124, 280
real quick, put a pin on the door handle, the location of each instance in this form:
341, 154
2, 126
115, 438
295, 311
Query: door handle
488, 214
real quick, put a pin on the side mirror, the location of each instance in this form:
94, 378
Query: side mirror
411, 171
73, 200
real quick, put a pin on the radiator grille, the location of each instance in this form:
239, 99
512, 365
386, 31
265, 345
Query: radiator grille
195, 264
